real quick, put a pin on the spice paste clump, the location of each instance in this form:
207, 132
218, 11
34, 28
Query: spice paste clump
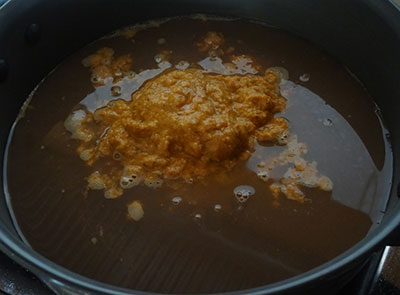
181, 126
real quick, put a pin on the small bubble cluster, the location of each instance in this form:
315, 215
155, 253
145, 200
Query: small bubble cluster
283, 138
243, 193
127, 182
217, 208
263, 175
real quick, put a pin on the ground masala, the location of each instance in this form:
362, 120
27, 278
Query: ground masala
181, 125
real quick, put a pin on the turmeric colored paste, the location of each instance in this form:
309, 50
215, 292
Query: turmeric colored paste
182, 125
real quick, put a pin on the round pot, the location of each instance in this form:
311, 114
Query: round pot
364, 35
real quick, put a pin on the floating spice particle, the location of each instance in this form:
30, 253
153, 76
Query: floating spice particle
135, 210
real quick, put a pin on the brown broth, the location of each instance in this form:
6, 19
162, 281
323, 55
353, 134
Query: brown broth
169, 250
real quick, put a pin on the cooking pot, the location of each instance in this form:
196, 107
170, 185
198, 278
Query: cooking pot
364, 35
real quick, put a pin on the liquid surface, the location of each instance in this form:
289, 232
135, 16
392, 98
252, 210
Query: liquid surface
197, 238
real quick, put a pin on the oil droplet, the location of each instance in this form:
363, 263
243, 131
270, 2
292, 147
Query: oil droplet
304, 78
217, 208
327, 122
116, 91
176, 200
243, 192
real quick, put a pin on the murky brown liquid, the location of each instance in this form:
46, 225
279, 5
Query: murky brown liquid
169, 250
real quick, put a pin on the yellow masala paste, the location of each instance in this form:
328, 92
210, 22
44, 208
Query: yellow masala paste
182, 125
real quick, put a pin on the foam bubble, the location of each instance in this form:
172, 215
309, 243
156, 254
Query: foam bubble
176, 200
305, 77
158, 58
327, 122
217, 208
